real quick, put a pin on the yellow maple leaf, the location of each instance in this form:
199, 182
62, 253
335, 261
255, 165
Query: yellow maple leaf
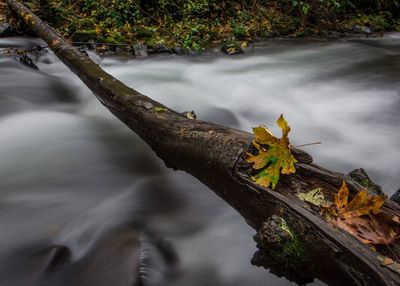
361, 204
274, 156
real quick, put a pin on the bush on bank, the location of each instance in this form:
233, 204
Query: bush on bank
197, 24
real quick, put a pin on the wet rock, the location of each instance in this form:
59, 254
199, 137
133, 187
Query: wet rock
361, 29
179, 51
5, 29
114, 260
91, 45
140, 50
332, 34
83, 49
124, 256
27, 61
107, 53
158, 49
122, 51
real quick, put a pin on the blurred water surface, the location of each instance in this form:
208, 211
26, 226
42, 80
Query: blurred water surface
73, 176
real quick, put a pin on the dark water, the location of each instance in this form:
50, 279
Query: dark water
72, 175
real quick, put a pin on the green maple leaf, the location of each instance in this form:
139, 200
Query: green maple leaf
274, 156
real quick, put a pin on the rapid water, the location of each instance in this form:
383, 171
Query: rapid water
71, 173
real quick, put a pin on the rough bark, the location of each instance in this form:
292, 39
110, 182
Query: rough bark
214, 154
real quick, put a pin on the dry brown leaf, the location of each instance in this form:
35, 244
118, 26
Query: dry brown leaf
368, 229
360, 218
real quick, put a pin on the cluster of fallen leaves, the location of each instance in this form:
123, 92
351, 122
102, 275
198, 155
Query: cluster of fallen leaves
273, 155
361, 217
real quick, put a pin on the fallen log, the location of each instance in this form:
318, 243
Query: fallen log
214, 154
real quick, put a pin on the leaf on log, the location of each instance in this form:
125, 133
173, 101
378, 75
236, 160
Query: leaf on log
370, 229
360, 218
315, 197
274, 156
361, 204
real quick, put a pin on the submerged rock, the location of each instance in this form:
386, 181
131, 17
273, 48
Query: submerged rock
124, 256
114, 260
5, 29
27, 61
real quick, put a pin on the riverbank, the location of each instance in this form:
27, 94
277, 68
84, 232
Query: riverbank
190, 26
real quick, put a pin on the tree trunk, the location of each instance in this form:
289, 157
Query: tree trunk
214, 154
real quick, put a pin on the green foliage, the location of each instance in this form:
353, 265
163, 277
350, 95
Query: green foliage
197, 24
195, 7
194, 36
239, 30
378, 22
84, 35
303, 7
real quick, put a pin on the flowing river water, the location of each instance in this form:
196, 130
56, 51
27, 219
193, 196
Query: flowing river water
73, 176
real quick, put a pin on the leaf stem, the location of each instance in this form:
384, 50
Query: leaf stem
308, 144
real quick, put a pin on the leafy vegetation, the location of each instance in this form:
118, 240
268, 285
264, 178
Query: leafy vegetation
198, 24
